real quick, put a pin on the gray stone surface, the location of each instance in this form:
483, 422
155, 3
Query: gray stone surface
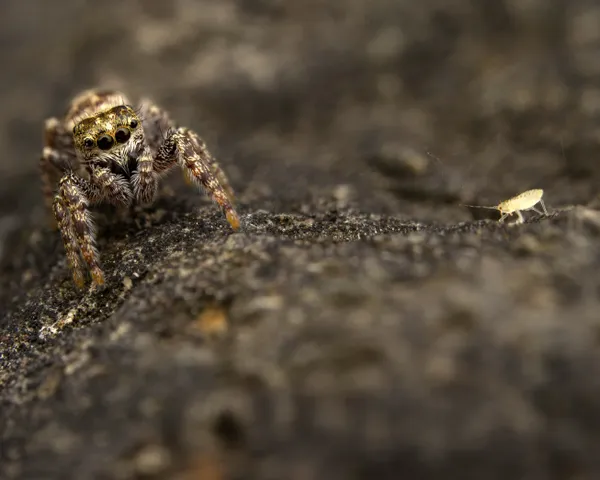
363, 324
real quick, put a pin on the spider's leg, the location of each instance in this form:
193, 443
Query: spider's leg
184, 147
157, 127
194, 157
67, 230
223, 180
56, 158
77, 229
187, 177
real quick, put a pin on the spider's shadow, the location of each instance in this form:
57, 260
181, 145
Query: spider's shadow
118, 223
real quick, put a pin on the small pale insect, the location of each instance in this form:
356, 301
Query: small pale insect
520, 203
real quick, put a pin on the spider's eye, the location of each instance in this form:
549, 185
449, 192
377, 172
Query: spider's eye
105, 142
122, 135
133, 123
88, 143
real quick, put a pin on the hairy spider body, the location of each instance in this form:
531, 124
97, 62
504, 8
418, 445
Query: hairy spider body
105, 150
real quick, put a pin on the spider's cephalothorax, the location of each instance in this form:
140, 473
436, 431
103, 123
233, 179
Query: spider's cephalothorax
104, 150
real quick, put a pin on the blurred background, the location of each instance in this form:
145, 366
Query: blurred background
301, 99
488, 338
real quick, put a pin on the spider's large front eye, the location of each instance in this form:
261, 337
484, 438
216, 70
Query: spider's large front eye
105, 142
88, 143
122, 135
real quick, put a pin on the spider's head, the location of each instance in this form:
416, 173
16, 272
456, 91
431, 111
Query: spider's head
110, 135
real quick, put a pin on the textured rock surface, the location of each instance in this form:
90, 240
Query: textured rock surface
362, 325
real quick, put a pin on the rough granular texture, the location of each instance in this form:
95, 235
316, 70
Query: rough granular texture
362, 324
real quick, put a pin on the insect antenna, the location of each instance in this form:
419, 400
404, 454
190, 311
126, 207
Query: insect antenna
478, 206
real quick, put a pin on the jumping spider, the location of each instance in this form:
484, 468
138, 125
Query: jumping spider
105, 150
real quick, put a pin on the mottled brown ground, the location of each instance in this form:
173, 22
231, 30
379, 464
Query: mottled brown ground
363, 324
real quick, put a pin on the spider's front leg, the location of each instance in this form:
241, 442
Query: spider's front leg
71, 212
55, 159
185, 147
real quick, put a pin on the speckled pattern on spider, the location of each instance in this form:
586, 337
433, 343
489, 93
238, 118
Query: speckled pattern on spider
107, 150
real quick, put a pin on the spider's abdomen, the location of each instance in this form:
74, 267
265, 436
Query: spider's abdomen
90, 103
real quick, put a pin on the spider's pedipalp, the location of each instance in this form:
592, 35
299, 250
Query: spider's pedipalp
145, 180
109, 187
